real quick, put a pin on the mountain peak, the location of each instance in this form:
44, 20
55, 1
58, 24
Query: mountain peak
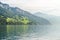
40, 13
0, 2
6, 6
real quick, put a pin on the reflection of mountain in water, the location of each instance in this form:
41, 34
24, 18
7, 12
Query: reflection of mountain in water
25, 32
15, 13
23, 29
3, 31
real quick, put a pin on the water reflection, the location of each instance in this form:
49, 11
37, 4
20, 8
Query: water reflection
3, 31
16, 29
15, 32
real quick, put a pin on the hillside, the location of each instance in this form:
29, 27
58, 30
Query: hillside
15, 15
53, 19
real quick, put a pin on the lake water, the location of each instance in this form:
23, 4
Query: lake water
29, 32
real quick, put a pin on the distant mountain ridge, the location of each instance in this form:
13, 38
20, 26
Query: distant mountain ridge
53, 19
17, 14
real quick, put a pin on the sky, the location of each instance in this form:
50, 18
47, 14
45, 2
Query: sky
51, 7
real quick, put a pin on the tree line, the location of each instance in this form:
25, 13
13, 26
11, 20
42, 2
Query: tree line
15, 20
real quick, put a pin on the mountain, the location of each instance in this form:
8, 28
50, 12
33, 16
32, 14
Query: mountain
15, 15
53, 19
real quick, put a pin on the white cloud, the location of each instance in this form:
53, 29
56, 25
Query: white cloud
37, 5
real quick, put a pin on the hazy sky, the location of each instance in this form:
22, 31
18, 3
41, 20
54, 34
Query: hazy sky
45, 6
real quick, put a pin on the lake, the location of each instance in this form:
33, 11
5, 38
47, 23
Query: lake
29, 32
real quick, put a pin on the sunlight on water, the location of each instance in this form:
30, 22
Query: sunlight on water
32, 32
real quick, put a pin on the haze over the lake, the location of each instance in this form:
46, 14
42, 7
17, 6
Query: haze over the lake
51, 7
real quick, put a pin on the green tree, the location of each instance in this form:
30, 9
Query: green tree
2, 20
11, 21
25, 20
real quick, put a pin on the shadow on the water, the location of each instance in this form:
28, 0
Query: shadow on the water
3, 31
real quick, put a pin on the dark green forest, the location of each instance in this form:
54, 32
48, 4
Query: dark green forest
17, 20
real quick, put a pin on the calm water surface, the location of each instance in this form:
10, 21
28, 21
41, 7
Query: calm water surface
29, 32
